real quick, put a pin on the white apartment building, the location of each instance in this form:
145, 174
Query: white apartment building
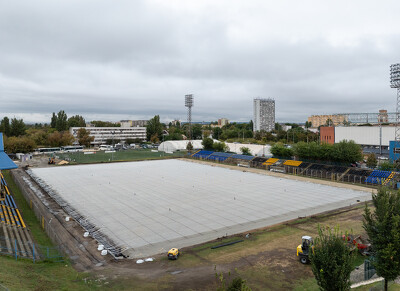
264, 114
102, 134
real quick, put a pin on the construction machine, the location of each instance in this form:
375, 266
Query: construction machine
51, 161
303, 250
174, 253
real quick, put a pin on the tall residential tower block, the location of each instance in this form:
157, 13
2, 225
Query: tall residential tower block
264, 114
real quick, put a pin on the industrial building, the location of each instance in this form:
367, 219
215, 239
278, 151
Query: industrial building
347, 119
332, 119
362, 135
180, 145
264, 114
102, 134
373, 139
133, 123
223, 121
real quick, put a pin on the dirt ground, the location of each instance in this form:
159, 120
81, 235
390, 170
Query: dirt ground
267, 260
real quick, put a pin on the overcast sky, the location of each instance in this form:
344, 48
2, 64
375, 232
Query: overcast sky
113, 60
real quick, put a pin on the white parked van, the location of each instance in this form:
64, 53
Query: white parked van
106, 147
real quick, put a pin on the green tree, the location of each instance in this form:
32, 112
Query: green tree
5, 126
207, 143
17, 127
21, 144
154, 129
279, 150
99, 123
371, 161
396, 165
386, 166
58, 139
251, 125
331, 260
76, 121
216, 132
220, 146
278, 127
39, 136
197, 131
61, 123
53, 122
154, 138
189, 146
383, 229
84, 138
245, 151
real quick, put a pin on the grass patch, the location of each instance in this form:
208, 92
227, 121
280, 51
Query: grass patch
126, 155
25, 275
216, 243
309, 284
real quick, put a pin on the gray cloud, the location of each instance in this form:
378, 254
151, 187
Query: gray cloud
135, 59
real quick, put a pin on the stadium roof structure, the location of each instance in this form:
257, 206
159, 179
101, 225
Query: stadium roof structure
5, 162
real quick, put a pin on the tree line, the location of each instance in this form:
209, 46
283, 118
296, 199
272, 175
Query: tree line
20, 137
344, 151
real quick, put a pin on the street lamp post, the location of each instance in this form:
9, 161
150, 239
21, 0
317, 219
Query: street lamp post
112, 150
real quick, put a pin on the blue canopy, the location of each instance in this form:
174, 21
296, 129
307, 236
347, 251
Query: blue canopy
5, 162
1, 142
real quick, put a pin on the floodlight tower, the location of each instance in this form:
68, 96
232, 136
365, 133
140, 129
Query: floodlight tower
395, 83
189, 104
394, 146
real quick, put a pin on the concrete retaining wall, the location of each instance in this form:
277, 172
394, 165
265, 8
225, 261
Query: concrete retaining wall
67, 235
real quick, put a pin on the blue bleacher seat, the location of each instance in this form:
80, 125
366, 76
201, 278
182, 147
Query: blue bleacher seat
377, 177
202, 154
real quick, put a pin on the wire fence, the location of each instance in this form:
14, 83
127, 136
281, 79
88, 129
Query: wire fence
29, 250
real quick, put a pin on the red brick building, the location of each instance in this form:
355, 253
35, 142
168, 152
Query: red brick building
327, 134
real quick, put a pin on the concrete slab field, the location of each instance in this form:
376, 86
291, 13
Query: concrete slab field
151, 206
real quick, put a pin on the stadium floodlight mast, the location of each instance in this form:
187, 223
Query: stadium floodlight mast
395, 83
189, 104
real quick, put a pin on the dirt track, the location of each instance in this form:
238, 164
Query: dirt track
275, 260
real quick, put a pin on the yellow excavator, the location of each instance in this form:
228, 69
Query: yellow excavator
174, 253
303, 250
51, 161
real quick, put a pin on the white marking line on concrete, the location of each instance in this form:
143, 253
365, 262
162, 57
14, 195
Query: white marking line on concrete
363, 283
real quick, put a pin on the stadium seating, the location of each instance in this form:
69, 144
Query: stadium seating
242, 157
258, 161
338, 169
270, 161
379, 177
359, 172
202, 154
304, 165
292, 163
316, 167
219, 156
9, 213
